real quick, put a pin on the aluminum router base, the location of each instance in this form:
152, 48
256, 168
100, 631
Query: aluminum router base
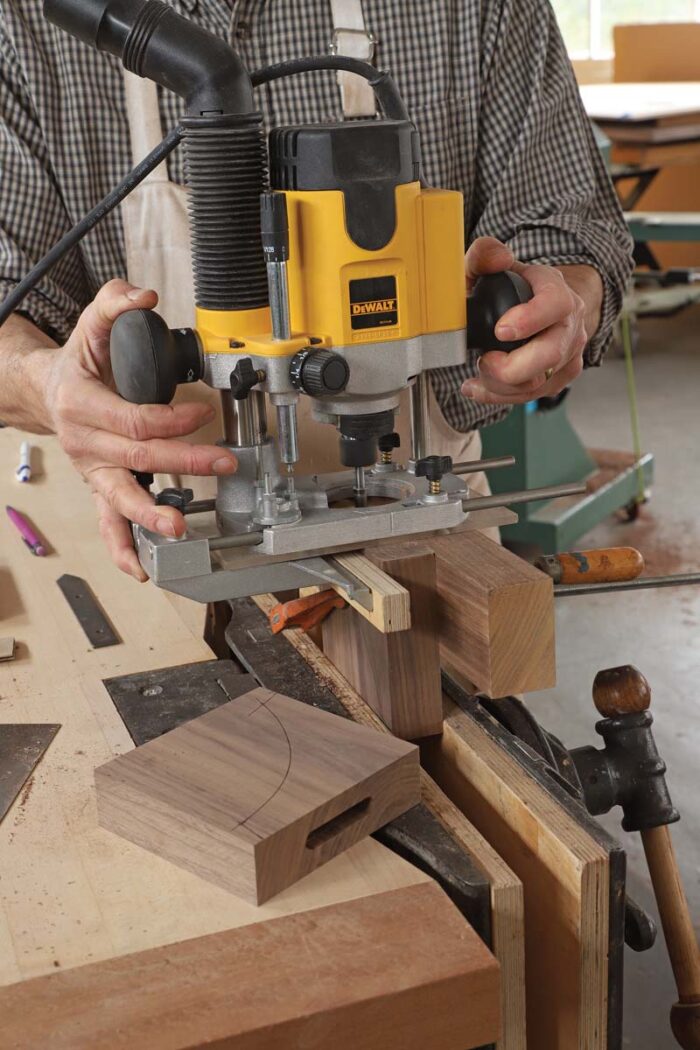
287, 555
324, 524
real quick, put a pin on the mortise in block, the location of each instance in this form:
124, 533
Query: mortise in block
258, 792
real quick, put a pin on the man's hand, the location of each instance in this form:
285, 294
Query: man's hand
558, 322
107, 438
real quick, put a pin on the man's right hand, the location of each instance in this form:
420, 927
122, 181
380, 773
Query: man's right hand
107, 438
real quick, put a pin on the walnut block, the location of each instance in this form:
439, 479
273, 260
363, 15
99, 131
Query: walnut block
259, 792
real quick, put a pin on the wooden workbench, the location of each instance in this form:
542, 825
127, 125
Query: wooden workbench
73, 895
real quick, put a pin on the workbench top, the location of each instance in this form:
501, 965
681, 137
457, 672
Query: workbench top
105, 944
70, 892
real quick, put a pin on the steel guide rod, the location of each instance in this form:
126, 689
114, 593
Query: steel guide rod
643, 583
420, 418
475, 466
508, 499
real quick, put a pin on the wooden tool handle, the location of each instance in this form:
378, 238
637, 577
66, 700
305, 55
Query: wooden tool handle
621, 691
680, 936
611, 565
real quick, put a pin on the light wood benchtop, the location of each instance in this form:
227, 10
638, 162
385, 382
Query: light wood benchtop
71, 893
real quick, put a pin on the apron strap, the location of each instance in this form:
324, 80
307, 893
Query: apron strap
352, 38
143, 116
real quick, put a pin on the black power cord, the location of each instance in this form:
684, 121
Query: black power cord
381, 81
76, 234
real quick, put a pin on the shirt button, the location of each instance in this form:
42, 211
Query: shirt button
242, 31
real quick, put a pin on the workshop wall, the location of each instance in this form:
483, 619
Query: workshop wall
664, 53
655, 53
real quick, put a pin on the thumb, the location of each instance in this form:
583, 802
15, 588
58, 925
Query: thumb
487, 255
113, 299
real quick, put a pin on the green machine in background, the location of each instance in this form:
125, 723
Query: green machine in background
548, 452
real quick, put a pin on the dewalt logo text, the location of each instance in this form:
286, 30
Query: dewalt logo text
374, 306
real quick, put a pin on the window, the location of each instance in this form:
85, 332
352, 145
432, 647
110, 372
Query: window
587, 24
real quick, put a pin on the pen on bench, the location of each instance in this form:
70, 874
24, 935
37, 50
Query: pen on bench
26, 532
24, 470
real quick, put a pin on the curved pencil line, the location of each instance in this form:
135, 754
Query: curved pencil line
286, 772
282, 782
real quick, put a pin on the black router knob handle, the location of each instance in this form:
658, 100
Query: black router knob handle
149, 359
493, 296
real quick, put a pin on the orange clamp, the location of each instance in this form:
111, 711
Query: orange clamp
305, 612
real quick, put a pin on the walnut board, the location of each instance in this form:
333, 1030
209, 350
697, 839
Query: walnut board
400, 968
397, 674
564, 871
257, 793
71, 893
495, 616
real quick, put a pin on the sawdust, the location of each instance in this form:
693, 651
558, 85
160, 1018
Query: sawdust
601, 478
610, 466
24, 796
667, 547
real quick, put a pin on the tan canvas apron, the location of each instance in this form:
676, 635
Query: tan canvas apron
156, 232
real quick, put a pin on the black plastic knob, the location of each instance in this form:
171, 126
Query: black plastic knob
493, 296
244, 377
172, 497
388, 442
434, 468
319, 373
149, 359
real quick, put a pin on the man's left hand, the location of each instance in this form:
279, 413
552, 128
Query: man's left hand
558, 323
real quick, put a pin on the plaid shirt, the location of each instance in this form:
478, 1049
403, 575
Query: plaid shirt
487, 82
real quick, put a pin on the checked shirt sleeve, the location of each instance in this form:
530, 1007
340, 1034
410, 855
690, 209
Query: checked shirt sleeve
542, 185
32, 213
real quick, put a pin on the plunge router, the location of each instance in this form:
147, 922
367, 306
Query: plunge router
340, 279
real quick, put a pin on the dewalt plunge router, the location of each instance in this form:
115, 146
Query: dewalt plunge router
342, 282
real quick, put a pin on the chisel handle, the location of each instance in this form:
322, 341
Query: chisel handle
608, 565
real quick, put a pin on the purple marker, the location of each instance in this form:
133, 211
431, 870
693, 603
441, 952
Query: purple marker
26, 532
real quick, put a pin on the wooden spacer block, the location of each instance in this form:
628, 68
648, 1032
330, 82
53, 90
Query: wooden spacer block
398, 675
259, 792
391, 603
496, 616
